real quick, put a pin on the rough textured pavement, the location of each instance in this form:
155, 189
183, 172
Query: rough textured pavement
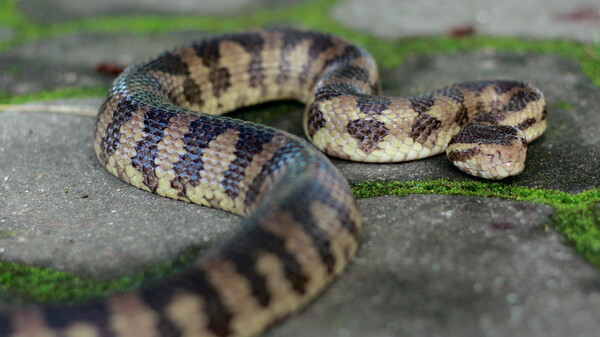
574, 19
429, 265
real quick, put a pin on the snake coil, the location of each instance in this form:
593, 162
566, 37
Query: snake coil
301, 224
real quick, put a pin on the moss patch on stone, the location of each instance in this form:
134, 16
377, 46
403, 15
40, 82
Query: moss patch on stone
10, 16
310, 14
563, 105
7, 234
390, 54
48, 95
20, 284
577, 215
577, 218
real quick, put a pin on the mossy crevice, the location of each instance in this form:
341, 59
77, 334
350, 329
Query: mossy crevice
49, 95
390, 54
20, 283
564, 105
577, 215
577, 218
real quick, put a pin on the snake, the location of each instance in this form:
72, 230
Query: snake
161, 128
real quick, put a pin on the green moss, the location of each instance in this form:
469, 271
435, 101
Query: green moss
14, 70
308, 14
7, 234
10, 16
563, 105
268, 113
24, 284
577, 216
47, 95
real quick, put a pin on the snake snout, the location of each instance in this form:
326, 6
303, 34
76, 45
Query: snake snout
497, 151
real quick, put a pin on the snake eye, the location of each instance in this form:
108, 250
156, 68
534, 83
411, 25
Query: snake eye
524, 142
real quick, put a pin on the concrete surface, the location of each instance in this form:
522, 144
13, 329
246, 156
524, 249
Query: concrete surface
67, 60
574, 19
67, 10
456, 266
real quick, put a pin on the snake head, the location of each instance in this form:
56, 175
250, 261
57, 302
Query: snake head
488, 151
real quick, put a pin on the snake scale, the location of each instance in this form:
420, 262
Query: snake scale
301, 225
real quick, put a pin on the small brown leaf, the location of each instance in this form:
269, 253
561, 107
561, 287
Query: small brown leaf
460, 31
584, 13
503, 225
109, 68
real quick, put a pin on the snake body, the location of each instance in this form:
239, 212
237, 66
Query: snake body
301, 225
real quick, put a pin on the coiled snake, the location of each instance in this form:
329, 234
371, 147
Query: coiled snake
301, 224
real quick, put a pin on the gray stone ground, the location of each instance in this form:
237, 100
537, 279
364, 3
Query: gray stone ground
429, 265
67, 60
574, 19
65, 10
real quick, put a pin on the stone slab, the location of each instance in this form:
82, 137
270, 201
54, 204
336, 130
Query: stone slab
67, 213
71, 60
548, 19
6, 34
456, 266
429, 265
69, 10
